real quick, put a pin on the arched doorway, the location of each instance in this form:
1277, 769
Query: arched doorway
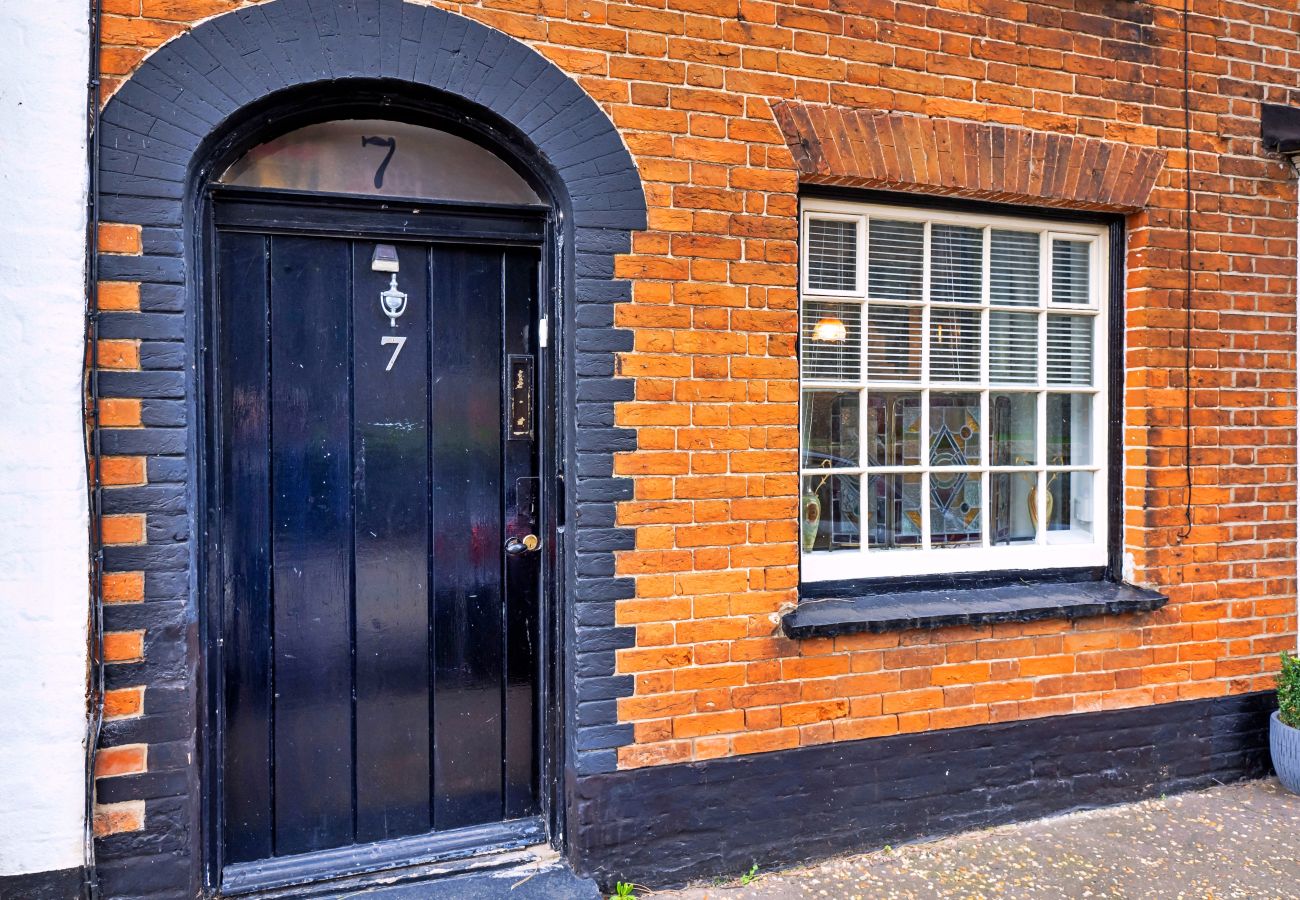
375, 358
170, 131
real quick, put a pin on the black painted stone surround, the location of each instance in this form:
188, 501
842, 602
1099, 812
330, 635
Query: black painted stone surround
663, 826
63, 884
155, 138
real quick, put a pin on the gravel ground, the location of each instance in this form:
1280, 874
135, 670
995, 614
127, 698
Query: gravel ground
1237, 841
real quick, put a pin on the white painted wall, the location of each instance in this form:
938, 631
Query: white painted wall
43, 519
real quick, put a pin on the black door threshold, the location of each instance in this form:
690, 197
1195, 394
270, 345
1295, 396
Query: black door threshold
385, 863
538, 879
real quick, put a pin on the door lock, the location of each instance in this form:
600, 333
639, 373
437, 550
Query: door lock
518, 546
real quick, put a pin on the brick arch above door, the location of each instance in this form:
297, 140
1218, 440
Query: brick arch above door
156, 135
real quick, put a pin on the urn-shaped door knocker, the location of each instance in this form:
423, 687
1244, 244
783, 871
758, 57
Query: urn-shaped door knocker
393, 302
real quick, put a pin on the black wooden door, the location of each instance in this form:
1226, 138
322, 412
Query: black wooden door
377, 641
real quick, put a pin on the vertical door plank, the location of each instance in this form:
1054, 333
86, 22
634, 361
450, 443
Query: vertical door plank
311, 543
391, 463
522, 587
467, 536
246, 591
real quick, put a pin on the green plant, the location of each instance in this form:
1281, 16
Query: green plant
1288, 690
749, 877
623, 890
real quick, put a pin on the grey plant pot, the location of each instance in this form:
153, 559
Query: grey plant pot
1284, 742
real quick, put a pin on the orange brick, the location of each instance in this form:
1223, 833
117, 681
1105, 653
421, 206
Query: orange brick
125, 239
118, 818
118, 295
123, 703
115, 412
120, 470
123, 529
123, 646
119, 354
123, 587
129, 759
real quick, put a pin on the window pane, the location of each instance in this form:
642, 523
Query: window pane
1013, 268
1013, 347
955, 345
893, 429
832, 341
1069, 350
954, 509
895, 511
895, 260
831, 513
383, 158
1013, 424
1069, 507
956, 264
832, 255
1070, 271
1069, 430
893, 343
1014, 504
830, 429
954, 429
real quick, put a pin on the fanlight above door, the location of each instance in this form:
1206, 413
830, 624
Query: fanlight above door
377, 157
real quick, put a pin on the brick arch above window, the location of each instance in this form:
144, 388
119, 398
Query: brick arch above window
947, 157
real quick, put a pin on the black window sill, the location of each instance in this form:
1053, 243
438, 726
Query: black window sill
855, 610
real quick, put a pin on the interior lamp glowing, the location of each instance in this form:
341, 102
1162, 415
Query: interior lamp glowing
830, 330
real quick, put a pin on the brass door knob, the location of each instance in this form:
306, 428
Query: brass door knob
518, 546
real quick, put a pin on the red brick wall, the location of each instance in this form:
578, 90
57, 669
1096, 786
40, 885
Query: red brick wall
690, 84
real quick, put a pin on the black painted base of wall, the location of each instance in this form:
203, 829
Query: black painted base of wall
664, 826
64, 884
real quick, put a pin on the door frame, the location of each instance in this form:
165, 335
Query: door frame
539, 226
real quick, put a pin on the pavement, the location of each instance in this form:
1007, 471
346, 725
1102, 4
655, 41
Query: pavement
1235, 841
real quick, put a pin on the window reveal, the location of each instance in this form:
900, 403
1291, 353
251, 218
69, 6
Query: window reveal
952, 392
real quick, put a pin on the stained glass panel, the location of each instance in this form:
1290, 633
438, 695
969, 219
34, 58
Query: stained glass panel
955, 509
830, 429
894, 511
1013, 429
954, 429
830, 517
1014, 505
894, 428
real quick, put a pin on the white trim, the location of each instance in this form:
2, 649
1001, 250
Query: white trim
1049, 549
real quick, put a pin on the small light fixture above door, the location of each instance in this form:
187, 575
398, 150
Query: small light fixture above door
385, 259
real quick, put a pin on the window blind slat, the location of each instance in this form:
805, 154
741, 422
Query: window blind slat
831, 353
894, 342
956, 264
955, 345
1069, 350
1013, 268
1070, 272
1013, 347
895, 260
832, 255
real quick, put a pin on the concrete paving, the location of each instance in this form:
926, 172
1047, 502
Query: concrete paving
1235, 841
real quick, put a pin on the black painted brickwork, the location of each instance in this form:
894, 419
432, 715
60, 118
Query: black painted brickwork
663, 826
63, 884
153, 134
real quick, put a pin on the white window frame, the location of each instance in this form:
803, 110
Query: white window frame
861, 562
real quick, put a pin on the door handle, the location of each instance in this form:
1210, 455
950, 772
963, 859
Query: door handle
518, 546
